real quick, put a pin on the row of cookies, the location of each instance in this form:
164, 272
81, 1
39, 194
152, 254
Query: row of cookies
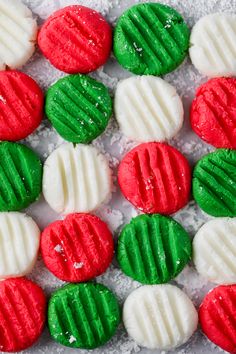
154, 177
147, 108
150, 39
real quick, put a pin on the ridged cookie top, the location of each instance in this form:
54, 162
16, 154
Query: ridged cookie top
153, 249
79, 108
76, 179
78, 248
83, 315
18, 34
76, 39
151, 39
20, 175
212, 45
19, 244
213, 112
214, 183
159, 316
22, 314
21, 105
148, 108
156, 178
217, 317
214, 250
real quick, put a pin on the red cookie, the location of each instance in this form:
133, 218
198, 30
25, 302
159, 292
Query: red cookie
213, 112
217, 316
76, 39
21, 105
78, 248
22, 314
155, 178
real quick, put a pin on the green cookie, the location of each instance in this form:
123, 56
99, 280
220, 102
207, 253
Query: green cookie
214, 183
153, 249
20, 176
84, 315
78, 107
151, 39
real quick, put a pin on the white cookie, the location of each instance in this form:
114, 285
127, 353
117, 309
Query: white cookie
18, 32
148, 108
213, 45
214, 250
76, 179
159, 316
19, 244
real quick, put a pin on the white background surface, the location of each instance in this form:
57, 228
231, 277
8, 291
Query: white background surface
118, 211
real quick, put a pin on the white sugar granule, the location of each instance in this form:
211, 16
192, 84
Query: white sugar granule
58, 248
72, 339
78, 265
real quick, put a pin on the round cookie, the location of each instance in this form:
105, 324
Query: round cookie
213, 112
214, 183
18, 34
151, 39
21, 105
217, 317
22, 314
78, 248
214, 250
212, 45
155, 178
83, 315
148, 108
78, 107
76, 39
20, 176
76, 179
153, 249
19, 244
159, 316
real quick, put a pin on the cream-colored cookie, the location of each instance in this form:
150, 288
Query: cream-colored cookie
148, 108
159, 316
76, 179
214, 250
213, 45
18, 32
19, 244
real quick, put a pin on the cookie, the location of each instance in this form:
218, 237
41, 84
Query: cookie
20, 176
76, 39
151, 39
22, 314
212, 45
78, 248
21, 105
148, 108
76, 179
155, 178
213, 112
18, 34
83, 315
214, 250
159, 317
214, 183
79, 108
153, 249
217, 317
19, 244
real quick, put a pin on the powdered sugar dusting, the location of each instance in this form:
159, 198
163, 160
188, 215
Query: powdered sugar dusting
114, 145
